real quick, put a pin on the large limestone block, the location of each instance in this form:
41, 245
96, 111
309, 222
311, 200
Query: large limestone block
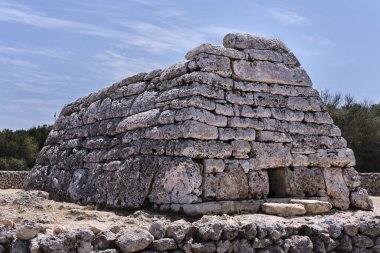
271, 155
313, 206
258, 182
233, 184
351, 177
175, 70
216, 50
199, 149
333, 158
220, 65
243, 41
211, 79
297, 182
283, 209
267, 72
336, 187
140, 120
201, 115
177, 181
222, 207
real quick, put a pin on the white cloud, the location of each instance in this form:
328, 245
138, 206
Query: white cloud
116, 66
48, 52
318, 40
289, 17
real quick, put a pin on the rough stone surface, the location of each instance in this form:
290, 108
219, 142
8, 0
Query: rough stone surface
133, 240
234, 123
283, 209
313, 206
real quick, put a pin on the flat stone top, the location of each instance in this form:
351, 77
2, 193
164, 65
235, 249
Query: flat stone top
243, 41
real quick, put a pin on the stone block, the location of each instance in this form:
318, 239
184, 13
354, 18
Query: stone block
269, 100
201, 115
255, 112
198, 149
319, 118
233, 184
267, 72
215, 50
236, 134
258, 182
240, 148
287, 115
178, 180
207, 78
140, 120
283, 209
351, 177
240, 122
336, 187
210, 186
271, 155
270, 136
263, 55
222, 207
239, 98
249, 86
175, 70
313, 206
243, 41
220, 65
293, 91
306, 104
224, 109
213, 165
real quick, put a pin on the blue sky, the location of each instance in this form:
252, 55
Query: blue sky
53, 52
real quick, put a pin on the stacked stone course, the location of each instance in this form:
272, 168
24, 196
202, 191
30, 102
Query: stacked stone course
234, 123
12, 179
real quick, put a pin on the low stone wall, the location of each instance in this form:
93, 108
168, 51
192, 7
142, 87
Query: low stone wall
12, 179
371, 182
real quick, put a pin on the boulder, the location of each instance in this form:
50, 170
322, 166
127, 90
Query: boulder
134, 239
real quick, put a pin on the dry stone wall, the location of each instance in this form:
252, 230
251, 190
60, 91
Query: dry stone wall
12, 179
371, 182
233, 123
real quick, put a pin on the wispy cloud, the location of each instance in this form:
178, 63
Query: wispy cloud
289, 17
47, 52
116, 66
322, 41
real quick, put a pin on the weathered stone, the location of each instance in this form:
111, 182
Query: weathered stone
140, 120
312, 104
216, 50
336, 187
332, 158
245, 123
240, 149
224, 109
267, 72
157, 230
178, 230
292, 91
283, 209
248, 86
201, 116
163, 244
351, 177
371, 228
175, 70
244, 41
263, 55
236, 134
287, 115
362, 241
233, 184
210, 186
178, 181
269, 100
132, 240
270, 136
203, 247
26, 232
104, 240
271, 155
258, 182
207, 78
220, 65
258, 112
313, 206
319, 118
223, 207
299, 244
199, 149
241, 99
359, 199
213, 165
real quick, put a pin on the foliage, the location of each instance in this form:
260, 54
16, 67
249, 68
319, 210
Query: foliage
19, 149
360, 125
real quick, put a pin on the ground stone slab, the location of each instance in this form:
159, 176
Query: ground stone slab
313, 206
283, 209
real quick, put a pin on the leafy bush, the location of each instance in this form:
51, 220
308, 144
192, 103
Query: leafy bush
13, 164
19, 149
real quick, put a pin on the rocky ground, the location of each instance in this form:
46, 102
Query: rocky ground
43, 225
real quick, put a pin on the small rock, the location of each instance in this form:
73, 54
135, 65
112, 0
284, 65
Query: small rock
104, 240
134, 239
360, 199
6, 223
362, 241
59, 229
26, 232
157, 230
283, 209
204, 247
163, 244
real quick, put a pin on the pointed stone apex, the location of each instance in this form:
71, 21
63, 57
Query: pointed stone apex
243, 41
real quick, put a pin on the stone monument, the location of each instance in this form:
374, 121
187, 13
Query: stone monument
227, 129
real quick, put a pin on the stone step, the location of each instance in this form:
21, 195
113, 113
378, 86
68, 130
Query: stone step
313, 206
283, 209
